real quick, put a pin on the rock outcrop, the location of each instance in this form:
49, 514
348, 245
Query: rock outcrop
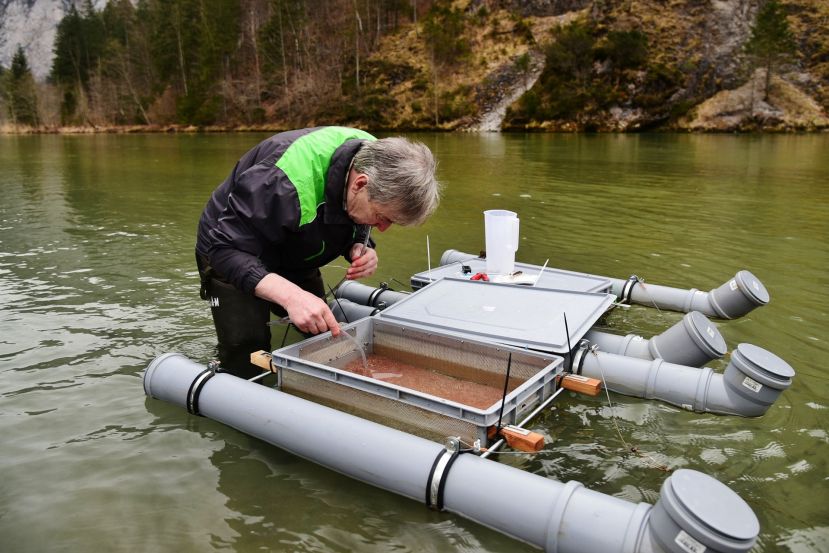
786, 108
505, 86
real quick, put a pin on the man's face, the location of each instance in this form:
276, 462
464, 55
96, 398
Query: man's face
362, 210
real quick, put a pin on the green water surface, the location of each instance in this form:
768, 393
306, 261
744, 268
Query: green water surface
97, 278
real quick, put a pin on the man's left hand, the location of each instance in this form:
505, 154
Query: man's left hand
363, 262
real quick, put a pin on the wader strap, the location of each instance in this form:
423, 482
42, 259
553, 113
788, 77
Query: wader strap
205, 274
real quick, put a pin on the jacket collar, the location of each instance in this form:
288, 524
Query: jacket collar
335, 182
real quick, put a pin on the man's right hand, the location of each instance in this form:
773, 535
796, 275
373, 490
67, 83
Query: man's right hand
311, 314
306, 311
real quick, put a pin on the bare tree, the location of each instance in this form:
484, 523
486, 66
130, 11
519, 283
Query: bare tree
358, 30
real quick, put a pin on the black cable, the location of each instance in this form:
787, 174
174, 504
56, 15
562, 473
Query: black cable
504, 395
337, 300
569, 347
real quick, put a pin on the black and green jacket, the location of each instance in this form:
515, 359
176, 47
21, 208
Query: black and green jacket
281, 208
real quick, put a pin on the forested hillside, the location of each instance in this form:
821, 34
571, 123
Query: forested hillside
565, 65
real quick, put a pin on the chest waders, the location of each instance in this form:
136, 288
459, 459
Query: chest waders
241, 319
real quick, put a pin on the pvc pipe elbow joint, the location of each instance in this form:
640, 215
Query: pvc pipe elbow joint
755, 378
693, 341
738, 296
735, 298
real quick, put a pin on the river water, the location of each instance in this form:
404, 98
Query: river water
97, 278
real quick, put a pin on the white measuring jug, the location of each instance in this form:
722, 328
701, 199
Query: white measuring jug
501, 228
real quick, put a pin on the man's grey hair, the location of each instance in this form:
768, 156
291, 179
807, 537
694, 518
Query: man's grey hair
401, 174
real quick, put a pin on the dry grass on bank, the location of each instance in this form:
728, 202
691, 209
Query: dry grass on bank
9, 128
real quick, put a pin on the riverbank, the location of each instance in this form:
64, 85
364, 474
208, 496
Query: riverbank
9, 129
135, 129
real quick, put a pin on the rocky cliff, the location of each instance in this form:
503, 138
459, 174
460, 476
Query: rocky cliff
31, 24
545, 65
696, 74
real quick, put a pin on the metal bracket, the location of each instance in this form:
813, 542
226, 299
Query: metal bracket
627, 289
578, 357
440, 468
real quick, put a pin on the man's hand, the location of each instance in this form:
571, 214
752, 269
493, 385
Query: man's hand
307, 312
311, 314
363, 262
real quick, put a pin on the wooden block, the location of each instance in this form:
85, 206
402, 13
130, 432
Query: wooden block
262, 359
522, 439
519, 438
581, 384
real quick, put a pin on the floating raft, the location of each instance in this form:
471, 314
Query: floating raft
427, 437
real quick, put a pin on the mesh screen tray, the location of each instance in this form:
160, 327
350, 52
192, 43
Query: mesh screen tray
442, 375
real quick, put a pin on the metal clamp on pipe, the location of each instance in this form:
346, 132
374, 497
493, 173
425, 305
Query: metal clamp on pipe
436, 483
578, 356
372, 298
195, 390
627, 289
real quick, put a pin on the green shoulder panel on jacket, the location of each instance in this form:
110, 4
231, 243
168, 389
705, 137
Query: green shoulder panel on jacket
306, 162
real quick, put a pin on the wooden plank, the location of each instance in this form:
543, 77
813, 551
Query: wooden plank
519, 438
581, 384
263, 360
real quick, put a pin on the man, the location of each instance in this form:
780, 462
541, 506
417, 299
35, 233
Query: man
292, 204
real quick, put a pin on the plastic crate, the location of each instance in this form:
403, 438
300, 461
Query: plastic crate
316, 369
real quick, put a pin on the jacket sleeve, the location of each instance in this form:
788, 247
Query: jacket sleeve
255, 217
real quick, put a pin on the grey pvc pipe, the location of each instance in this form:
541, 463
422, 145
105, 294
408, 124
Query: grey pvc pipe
547, 514
693, 341
733, 299
367, 295
753, 380
346, 311
455, 256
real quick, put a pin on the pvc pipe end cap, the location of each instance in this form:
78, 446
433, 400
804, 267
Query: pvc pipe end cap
705, 334
709, 510
752, 288
763, 366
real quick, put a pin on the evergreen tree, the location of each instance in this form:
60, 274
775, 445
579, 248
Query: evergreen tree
79, 44
125, 65
18, 90
193, 43
771, 40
